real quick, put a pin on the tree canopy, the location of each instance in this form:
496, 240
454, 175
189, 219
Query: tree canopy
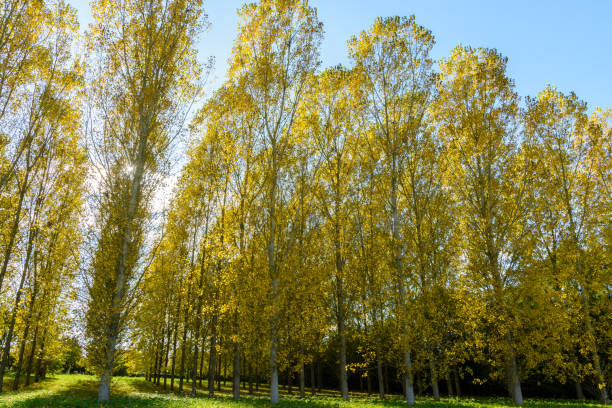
395, 224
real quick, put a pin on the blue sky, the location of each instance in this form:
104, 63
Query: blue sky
564, 43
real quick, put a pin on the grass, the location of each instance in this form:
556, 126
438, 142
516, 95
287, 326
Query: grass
81, 391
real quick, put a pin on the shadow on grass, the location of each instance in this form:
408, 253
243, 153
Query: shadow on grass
330, 398
137, 393
7, 384
80, 393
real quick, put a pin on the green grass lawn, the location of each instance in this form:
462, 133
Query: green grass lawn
81, 391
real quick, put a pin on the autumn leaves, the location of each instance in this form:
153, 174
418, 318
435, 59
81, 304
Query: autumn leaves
407, 204
399, 214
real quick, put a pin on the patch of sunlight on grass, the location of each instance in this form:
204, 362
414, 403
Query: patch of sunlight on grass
129, 392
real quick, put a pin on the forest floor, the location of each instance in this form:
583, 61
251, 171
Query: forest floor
131, 392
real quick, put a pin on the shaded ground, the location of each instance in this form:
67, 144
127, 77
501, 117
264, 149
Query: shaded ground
81, 391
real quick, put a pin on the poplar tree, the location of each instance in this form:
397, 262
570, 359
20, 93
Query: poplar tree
569, 156
393, 60
42, 183
276, 50
477, 111
334, 117
24, 27
144, 75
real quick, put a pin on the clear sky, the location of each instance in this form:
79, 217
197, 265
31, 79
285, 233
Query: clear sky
564, 43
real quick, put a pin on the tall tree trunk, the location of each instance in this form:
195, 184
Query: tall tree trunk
603, 391
167, 356
184, 343
387, 382
434, 380
272, 271
408, 386
236, 367
250, 366
31, 356
302, 380
26, 331
9, 336
342, 334
219, 376
194, 365
160, 363
449, 385
379, 368
212, 359
162, 352
579, 391
174, 341
20, 358
224, 370
43, 370
113, 327
312, 378
200, 300
457, 383
369, 381
197, 326
397, 253
40, 358
15, 226
155, 363
201, 376
274, 394
517, 394
340, 298
319, 377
